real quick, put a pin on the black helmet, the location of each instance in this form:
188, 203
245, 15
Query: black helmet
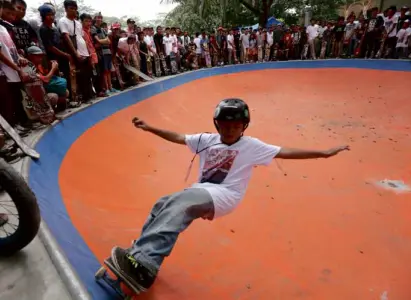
232, 109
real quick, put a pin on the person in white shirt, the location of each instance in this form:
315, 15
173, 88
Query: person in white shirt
197, 42
72, 34
312, 34
402, 40
168, 41
231, 47
245, 42
349, 36
390, 32
269, 43
227, 159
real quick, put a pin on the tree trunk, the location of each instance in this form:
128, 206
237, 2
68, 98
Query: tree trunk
265, 9
261, 12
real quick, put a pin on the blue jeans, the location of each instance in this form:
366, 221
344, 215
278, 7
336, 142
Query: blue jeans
170, 216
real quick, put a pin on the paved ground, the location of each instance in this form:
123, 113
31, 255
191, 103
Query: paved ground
30, 274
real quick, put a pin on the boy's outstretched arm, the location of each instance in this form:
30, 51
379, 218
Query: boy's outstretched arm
165, 134
289, 153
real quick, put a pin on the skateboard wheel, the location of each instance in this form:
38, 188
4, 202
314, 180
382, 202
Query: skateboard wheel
100, 273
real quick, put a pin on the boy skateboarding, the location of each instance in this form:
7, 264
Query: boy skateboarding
227, 159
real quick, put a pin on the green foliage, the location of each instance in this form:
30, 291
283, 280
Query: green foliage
187, 16
211, 13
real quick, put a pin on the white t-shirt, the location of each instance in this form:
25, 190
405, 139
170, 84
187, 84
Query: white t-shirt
147, 40
175, 47
270, 38
226, 170
312, 32
245, 38
230, 41
67, 26
390, 24
197, 41
168, 42
349, 30
123, 45
9, 50
402, 41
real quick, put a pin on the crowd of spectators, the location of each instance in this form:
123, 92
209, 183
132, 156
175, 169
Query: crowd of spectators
46, 68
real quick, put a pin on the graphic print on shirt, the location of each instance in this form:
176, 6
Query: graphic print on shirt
217, 165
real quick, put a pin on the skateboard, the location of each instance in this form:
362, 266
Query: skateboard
157, 65
173, 63
304, 52
380, 52
207, 56
275, 53
260, 53
118, 75
36, 103
137, 72
116, 284
323, 49
164, 64
73, 82
149, 66
17, 139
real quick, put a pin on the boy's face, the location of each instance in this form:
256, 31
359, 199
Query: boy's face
313, 22
20, 11
71, 11
36, 59
99, 20
167, 31
9, 15
49, 19
87, 23
230, 131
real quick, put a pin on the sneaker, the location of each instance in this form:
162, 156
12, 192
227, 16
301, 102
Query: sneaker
113, 90
131, 269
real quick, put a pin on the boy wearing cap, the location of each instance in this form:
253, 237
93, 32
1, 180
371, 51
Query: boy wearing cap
227, 159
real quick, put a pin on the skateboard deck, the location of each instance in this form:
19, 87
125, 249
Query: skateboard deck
304, 52
380, 52
164, 64
275, 54
323, 49
17, 139
137, 72
35, 100
118, 75
116, 284
149, 66
260, 54
173, 63
157, 65
73, 82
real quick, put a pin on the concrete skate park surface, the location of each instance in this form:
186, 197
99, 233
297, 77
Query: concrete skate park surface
86, 161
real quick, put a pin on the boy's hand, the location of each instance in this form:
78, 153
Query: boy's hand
140, 124
23, 62
336, 150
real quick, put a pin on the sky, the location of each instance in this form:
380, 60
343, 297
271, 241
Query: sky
144, 9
